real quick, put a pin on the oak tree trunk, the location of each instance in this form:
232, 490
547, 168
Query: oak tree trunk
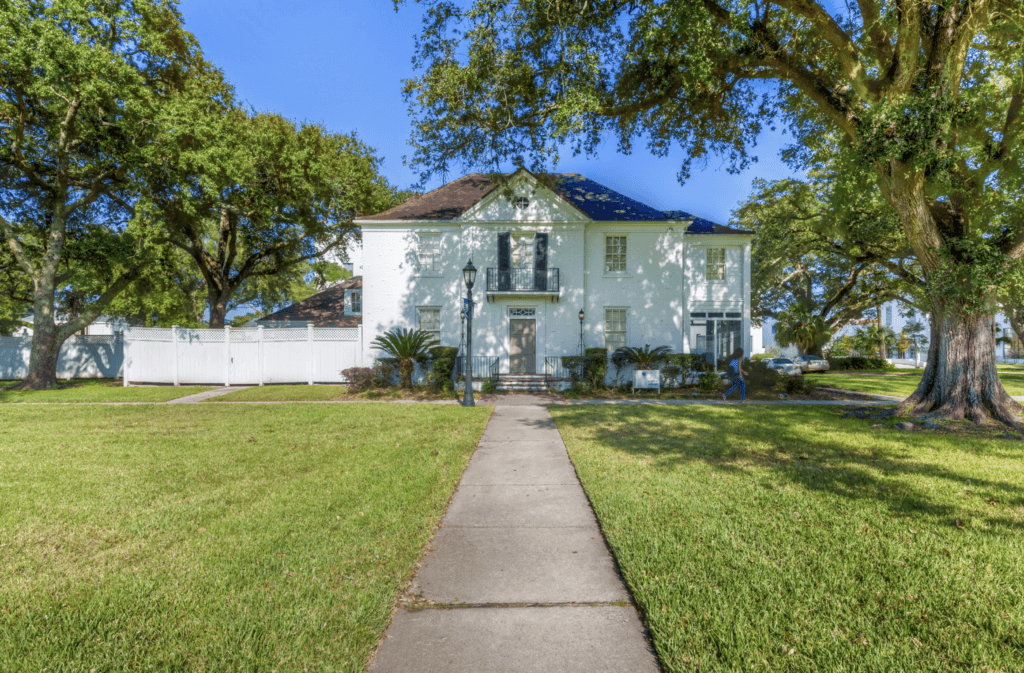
218, 310
46, 341
960, 379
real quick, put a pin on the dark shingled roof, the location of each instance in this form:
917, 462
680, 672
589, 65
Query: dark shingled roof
702, 226
591, 198
323, 309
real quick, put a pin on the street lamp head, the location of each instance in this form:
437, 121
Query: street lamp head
581, 315
469, 274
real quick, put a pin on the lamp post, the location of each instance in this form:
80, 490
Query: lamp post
583, 348
469, 275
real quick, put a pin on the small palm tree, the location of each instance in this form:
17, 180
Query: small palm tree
407, 346
643, 358
806, 330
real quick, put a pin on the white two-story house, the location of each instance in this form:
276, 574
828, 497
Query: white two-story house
547, 247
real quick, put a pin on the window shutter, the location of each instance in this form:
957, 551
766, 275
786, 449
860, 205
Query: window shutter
540, 257
504, 260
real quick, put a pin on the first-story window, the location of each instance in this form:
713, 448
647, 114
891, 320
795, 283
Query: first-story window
430, 321
615, 328
716, 264
357, 302
428, 252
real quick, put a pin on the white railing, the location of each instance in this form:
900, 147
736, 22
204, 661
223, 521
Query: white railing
241, 356
81, 357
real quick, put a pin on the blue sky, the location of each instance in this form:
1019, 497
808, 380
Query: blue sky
341, 63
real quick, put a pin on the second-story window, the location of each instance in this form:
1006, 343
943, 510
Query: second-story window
522, 251
428, 252
357, 301
715, 267
615, 254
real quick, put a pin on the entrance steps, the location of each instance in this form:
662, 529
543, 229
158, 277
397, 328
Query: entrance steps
531, 383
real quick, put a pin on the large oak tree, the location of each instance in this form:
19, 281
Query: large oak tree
925, 95
81, 86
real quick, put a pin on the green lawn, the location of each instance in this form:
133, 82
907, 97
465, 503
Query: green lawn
899, 384
790, 539
319, 393
95, 390
206, 538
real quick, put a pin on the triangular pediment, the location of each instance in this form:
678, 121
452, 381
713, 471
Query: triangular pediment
523, 199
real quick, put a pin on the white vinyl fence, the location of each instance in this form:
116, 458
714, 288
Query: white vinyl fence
241, 356
81, 357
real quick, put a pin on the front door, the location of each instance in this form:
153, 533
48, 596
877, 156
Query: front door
522, 349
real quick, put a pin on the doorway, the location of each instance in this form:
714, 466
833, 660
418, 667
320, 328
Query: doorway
522, 346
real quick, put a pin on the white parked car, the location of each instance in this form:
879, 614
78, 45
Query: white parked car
812, 363
784, 366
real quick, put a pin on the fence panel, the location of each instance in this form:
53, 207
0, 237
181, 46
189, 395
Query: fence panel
81, 357
243, 356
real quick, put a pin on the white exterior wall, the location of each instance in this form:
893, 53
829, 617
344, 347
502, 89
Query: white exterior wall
664, 281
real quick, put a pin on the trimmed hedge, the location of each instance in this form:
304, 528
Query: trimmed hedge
857, 362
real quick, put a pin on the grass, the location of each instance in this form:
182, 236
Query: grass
898, 384
791, 539
323, 393
206, 538
94, 390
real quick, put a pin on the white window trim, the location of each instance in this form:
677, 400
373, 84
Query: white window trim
725, 264
628, 273
352, 294
440, 322
604, 323
429, 273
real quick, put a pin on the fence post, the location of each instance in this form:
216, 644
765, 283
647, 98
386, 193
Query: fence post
259, 352
309, 340
174, 352
124, 356
359, 350
227, 356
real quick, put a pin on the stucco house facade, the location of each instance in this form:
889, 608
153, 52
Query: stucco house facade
547, 246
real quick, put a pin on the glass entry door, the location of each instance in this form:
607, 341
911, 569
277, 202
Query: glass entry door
716, 335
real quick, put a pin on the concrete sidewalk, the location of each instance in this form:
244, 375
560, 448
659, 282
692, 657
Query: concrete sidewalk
518, 577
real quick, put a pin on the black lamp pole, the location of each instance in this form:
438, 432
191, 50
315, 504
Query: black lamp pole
583, 348
469, 275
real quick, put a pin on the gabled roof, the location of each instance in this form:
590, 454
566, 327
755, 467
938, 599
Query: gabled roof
593, 199
702, 226
323, 309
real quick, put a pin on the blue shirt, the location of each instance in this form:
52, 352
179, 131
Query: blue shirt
734, 364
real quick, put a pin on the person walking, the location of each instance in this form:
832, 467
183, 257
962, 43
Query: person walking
736, 374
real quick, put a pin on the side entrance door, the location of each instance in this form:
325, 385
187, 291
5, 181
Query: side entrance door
522, 347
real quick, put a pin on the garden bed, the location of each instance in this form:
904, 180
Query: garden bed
328, 393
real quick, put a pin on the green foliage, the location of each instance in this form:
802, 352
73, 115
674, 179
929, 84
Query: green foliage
642, 358
442, 364
797, 385
597, 366
760, 375
805, 330
670, 376
870, 340
487, 387
709, 381
576, 365
858, 363
359, 378
407, 347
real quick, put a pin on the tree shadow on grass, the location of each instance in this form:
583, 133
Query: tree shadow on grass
811, 449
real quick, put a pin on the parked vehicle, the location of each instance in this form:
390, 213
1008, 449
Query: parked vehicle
784, 366
812, 363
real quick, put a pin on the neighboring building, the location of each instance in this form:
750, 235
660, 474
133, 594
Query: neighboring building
546, 247
340, 305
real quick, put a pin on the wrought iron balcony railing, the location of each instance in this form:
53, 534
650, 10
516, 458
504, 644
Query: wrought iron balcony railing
523, 280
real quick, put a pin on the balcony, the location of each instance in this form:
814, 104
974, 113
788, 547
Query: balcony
525, 281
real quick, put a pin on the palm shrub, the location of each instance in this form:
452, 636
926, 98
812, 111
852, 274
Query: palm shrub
642, 358
406, 347
806, 330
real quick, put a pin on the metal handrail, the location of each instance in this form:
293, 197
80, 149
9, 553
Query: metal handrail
554, 370
523, 280
484, 367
